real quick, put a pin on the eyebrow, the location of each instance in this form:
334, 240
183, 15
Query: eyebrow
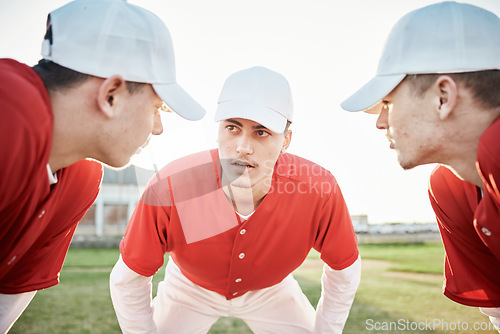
256, 127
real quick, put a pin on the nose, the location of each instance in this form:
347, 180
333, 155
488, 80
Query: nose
157, 126
382, 120
244, 145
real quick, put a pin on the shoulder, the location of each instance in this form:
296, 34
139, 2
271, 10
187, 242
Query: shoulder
26, 123
492, 133
442, 179
24, 102
296, 175
489, 144
88, 173
446, 188
19, 79
488, 158
193, 165
190, 164
300, 169
192, 171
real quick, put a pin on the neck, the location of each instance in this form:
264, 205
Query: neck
463, 143
68, 134
467, 172
462, 160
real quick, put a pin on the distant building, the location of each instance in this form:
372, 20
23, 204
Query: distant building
120, 192
360, 223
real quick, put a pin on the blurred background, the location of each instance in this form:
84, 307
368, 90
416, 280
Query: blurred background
326, 49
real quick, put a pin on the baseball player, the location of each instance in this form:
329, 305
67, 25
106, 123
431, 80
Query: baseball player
84, 102
437, 95
236, 222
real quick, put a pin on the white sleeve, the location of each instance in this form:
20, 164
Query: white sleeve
11, 307
131, 297
338, 290
494, 314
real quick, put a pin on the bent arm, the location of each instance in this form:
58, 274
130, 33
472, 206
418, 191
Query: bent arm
494, 314
131, 297
11, 308
338, 291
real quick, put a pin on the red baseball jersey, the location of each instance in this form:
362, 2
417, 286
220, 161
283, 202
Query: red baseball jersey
487, 216
184, 211
37, 220
471, 269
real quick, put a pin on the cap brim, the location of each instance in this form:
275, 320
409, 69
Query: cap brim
372, 92
262, 115
180, 101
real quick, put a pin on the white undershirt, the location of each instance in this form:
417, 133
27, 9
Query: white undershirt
245, 217
11, 307
52, 176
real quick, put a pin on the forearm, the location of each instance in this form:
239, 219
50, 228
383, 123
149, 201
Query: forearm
131, 297
11, 307
339, 289
494, 314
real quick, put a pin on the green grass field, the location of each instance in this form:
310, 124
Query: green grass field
400, 292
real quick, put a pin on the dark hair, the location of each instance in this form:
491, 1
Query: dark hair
287, 127
57, 77
484, 85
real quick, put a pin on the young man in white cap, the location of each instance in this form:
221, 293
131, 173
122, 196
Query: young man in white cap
236, 222
107, 70
437, 92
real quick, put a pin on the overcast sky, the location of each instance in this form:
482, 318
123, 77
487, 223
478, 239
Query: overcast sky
325, 48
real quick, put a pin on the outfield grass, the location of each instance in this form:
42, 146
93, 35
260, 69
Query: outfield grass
400, 287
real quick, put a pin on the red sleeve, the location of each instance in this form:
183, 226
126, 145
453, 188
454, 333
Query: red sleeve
145, 242
336, 239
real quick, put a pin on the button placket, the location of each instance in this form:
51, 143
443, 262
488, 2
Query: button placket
238, 266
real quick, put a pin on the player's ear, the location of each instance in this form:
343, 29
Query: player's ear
286, 141
446, 95
109, 94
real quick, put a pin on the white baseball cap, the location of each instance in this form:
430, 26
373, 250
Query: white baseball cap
446, 37
257, 94
107, 37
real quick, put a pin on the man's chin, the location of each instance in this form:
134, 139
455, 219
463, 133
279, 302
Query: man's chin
118, 165
242, 182
406, 165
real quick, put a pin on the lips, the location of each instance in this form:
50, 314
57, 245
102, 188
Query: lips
391, 140
242, 164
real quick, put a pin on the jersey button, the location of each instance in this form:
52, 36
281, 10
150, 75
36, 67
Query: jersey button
234, 294
241, 256
243, 231
238, 280
486, 231
41, 214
